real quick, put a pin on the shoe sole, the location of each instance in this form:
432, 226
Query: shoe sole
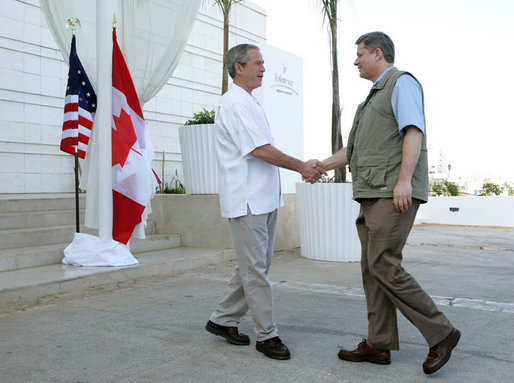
454, 343
218, 332
370, 360
274, 356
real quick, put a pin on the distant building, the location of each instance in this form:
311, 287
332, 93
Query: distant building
438, 166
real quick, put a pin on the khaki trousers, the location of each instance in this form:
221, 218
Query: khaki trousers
249, 287
383, 232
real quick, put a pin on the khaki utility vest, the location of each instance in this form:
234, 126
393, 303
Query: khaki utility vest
375, 146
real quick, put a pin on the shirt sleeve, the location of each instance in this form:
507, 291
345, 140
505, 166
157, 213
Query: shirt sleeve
244, 130
407, 103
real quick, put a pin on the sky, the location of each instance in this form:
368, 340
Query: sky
460, 50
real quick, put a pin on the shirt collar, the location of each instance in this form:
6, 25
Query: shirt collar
238, 89
383, 74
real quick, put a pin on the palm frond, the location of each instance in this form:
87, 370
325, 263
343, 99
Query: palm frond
329, 10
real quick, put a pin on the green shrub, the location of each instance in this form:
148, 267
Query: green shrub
491, 189
445, 189
203, 117
509, 187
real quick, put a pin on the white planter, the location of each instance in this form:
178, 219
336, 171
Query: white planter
199, 158
327, 214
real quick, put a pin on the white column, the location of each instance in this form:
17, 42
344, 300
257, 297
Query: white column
104, 13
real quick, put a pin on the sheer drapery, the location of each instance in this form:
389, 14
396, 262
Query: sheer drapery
151, 34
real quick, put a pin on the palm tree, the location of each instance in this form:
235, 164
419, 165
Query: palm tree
225, 6
330, 13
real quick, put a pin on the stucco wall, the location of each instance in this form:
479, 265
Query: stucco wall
197, 219
473, 211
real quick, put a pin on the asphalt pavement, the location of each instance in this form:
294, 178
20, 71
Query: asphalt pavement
152, 329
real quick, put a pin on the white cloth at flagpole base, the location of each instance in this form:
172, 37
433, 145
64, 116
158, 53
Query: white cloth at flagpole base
88, 250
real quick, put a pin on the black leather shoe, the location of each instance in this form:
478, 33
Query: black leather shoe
440, 353
231, 334
365, 353
273, 348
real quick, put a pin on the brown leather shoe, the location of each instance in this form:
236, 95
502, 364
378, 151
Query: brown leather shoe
440, 353
231, 334
273, 348
366, 353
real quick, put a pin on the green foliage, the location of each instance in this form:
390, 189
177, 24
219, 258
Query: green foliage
445, 189
169, 189
172, 187
509, 187
225, 6
326, 180
437, 189
491, 189
203, 117
329, 10
451, 188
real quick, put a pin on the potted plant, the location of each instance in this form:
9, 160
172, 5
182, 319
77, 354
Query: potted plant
326, 210
198, 155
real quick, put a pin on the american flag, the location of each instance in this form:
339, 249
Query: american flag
79, 108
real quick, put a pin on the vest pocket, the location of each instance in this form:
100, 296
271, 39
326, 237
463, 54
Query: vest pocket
372, 170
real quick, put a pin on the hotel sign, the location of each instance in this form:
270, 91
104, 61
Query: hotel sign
283, 84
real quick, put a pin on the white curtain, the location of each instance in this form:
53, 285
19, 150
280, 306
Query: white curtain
151, 34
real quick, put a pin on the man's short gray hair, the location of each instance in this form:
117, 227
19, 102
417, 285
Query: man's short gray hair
238, 54
374, 40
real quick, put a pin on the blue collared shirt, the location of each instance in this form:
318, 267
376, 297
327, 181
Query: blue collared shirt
407, 103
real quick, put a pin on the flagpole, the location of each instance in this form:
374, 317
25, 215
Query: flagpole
77, 214
73, 22
104, 10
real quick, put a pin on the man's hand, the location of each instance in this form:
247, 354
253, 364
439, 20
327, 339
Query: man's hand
312, 171
402, 196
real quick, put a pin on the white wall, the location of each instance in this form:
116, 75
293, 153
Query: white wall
472, 211
33, 80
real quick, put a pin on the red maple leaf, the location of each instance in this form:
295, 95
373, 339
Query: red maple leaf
123, 138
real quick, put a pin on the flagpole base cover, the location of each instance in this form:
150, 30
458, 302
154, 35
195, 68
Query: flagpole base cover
89, 250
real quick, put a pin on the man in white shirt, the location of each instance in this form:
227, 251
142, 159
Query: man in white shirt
249, 189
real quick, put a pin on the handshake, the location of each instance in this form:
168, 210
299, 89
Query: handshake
312, 170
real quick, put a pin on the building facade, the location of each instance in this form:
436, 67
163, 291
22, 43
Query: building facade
33, 78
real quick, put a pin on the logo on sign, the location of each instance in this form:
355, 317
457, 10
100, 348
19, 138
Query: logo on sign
283, 84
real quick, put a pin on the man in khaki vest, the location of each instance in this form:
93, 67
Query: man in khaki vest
387, 156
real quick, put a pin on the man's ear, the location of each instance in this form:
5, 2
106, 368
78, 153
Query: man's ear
238, 67
378, 54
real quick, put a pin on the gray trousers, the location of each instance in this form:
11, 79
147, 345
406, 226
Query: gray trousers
249, 286
383, 232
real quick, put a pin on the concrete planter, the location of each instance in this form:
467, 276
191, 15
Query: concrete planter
326, 215
198, 221
199, 158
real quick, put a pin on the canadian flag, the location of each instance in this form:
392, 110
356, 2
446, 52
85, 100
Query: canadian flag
133, 180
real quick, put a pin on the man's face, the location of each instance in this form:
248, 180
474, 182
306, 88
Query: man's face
366, 62
250, 75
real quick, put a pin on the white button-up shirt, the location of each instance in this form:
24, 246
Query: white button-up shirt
244, 180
